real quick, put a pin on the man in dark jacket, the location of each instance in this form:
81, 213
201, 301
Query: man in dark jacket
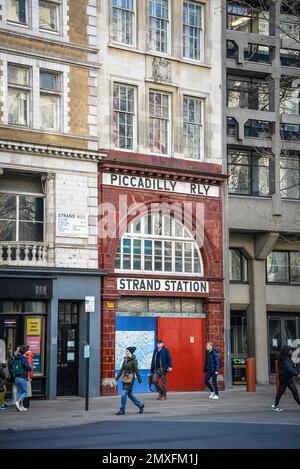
211, 368
161, 365
286, 372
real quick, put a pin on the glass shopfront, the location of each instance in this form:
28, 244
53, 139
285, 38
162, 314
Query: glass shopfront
23, 322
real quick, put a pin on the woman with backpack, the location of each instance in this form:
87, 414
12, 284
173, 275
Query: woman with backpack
287, 372
19, 368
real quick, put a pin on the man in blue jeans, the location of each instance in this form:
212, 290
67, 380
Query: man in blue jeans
211, 368
19, 371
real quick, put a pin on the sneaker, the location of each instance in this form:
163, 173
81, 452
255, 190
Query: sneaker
215, 397
211, 395
23, 409
18, 406
121, 412
142, 409
276, 408
2, 407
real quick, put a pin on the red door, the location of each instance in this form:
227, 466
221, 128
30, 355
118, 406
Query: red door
185, 339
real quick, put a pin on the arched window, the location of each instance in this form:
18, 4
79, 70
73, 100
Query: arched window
161, 244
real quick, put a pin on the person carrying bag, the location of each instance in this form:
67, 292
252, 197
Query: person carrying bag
126, 374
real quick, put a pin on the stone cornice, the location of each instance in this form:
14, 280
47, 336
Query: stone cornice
49, 150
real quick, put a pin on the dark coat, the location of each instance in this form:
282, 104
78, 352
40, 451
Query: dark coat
287, 369
215, 362
165, 360
130, 365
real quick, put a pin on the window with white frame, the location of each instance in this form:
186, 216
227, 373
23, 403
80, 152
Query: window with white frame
123, 116
159, 122
158, 17
158, 243
50, 99
192, 127
49, 15
192, 30
123, 21
21, 217
19, 94
17, 11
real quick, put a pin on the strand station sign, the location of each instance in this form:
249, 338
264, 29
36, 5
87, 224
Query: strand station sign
162, 285
164, 185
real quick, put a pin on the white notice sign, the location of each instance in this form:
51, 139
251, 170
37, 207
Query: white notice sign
89, 304
72, 224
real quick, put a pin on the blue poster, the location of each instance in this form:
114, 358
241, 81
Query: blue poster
37, 363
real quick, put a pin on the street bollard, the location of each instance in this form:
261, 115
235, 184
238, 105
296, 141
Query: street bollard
250, 374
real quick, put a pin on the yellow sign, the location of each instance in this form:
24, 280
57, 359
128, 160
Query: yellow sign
33, 326
110, 304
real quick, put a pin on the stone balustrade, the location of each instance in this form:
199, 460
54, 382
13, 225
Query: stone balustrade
23, 253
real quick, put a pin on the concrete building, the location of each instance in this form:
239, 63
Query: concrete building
160, 124
48, 189
262, 71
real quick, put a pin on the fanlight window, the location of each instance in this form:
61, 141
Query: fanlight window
158, 243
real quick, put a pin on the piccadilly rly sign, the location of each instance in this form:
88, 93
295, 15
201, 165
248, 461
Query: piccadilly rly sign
163, 185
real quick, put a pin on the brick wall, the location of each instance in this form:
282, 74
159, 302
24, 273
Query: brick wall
212, 254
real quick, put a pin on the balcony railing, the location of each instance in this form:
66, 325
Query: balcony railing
21, 253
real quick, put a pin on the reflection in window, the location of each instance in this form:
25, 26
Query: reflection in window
48, 15
19, 92
249, 173
50, 100
247, 93
159, 122
123, 116
290, 175
123, 21
166, 247
158, 17
278, 267
192, 30
17, 11
192, 127
238, 266
21, 217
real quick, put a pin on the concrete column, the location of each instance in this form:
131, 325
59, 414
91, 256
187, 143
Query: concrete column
260, 320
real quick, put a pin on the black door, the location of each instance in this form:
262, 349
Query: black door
67, 349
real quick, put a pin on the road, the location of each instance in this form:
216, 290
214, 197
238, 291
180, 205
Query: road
156, 434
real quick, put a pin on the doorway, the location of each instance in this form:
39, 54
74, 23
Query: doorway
67, 349
185, 338
283, 330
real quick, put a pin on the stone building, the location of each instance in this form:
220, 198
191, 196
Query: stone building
161, 185
48, 188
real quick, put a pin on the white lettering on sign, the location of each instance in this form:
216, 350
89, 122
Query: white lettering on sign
164, 185
154, 284
71, 224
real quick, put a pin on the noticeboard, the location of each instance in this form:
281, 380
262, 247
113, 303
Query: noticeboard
239, 371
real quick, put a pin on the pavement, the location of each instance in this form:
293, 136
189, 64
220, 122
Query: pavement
235, 406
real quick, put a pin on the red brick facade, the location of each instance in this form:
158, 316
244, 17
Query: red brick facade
212, 250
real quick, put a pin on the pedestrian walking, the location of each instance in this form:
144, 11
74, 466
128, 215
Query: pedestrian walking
29, 356
212, 368
127, 374
3, 381
161, 365
286, 372
19, 368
